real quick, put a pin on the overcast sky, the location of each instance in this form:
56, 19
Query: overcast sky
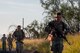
12, 12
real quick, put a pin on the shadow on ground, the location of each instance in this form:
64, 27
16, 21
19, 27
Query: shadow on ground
25, 51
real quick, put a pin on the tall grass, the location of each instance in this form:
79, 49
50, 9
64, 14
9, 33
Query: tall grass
43, 46
75, 44
40, 45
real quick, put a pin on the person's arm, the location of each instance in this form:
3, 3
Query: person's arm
66, 28
48, 28
14, 35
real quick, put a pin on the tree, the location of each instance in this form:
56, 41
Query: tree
70, 10
32, 28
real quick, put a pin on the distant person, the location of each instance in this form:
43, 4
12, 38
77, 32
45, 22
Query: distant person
57, 28
3, 39
10, 39
19, 36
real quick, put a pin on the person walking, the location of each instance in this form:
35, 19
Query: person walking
3, 39
57, 28
9, 40
19, 36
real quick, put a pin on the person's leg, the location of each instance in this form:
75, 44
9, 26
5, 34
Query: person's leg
10, 48
60, 48
17, 47
21, 47
4, 47
55, 49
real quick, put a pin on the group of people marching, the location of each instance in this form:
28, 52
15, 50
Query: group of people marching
9, 40
57, 28
18, 35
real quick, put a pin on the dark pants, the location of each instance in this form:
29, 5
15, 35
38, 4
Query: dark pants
57, 49
10, 46
57, 46
4, 46
19, 47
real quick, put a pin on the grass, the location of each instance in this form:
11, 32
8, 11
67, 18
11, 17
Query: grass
42, 45
75, 44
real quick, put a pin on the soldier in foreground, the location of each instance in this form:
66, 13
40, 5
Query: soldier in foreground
57, 28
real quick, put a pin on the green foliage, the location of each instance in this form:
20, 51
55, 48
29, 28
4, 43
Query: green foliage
70, 10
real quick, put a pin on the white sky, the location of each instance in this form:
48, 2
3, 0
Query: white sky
12, 12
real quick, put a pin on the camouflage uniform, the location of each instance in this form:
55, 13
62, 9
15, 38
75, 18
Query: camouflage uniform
10, 39
57, 28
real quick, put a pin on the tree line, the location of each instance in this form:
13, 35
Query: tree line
70, 10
